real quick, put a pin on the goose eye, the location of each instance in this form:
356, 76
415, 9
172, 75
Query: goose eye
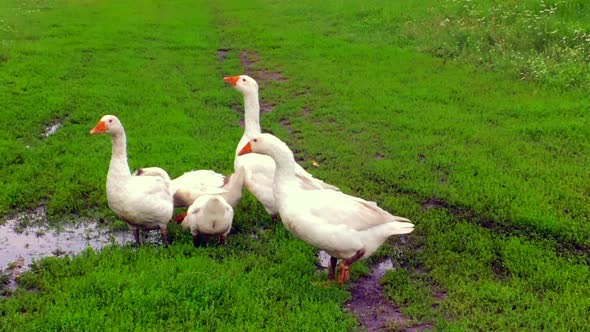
255, 140
110, 120
243, 80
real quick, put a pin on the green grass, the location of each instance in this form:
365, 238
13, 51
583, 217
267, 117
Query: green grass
497, 132
181, 288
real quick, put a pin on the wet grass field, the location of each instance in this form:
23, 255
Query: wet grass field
469, 119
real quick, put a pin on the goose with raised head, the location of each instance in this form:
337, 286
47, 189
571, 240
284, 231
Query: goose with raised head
142, 202
208, 215
260, 169
346, 227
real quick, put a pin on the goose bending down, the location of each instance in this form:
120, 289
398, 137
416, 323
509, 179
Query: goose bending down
209, 215
191, 185
260, 169
142, 202
346, 227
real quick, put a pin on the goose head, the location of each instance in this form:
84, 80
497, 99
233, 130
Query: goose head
108, 124
243, 83
266, 144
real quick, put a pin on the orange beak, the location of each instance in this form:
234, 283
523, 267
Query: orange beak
100, 127
233, 80
179, 218
246, 149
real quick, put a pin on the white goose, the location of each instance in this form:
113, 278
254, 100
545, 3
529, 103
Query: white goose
234, 184
191, 185
186, 188
259, 169
344, 226
142, 202
209, 215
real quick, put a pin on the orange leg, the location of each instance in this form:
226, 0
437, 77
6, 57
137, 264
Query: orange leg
221, 240
344, 273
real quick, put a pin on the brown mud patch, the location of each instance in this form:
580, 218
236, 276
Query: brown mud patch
434, 203
286, 124
222, 54
249, 58
266, 107
379, 156
373, 310
306, 111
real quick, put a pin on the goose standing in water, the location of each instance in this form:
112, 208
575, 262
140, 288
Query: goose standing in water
141, 201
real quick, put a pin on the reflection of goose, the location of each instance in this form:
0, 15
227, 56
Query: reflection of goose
259, 169
142, 202
344, 226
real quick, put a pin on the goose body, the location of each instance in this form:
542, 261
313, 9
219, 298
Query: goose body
142, 202
186, 188
208, 215
191, 185
259, 169
346, 227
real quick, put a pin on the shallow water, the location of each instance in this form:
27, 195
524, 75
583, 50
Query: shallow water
35, 242
324, 259
52, 129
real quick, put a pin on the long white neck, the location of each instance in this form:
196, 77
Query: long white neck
251, 114
284, 172
119, 167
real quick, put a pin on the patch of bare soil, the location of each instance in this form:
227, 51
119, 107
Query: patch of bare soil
379, 156
373, 310
266, 107
434, 203
249, 58
306, 111
285, 123
222, 54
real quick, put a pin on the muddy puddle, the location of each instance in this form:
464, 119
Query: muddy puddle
373, 310
51, 129
19, 245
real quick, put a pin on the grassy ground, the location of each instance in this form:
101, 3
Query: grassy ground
485, 153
